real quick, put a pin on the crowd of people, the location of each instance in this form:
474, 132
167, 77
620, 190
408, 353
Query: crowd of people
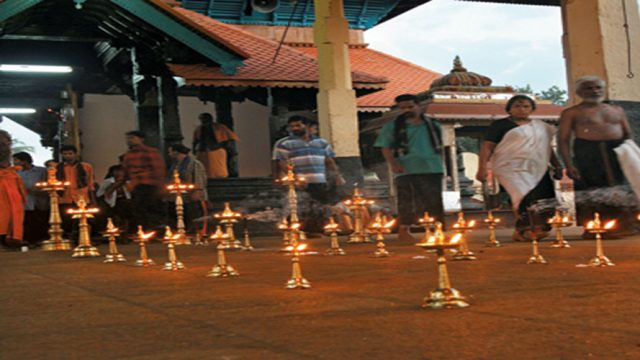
516, 150
132, 192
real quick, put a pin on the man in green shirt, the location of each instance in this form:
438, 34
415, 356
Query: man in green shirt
412, 146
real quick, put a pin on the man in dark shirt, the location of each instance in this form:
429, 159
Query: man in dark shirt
145, 171
412, 146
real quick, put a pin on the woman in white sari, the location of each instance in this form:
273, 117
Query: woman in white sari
518, 151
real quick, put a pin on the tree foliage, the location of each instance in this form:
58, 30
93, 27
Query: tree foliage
554, 94
18, 145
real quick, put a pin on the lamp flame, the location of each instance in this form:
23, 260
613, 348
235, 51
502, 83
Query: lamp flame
456, 238
610, 224
390, 224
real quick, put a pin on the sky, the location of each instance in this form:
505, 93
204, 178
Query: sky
512, 44
28, 137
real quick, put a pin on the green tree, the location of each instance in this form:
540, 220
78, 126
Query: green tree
19, 145
524, 89
554, 94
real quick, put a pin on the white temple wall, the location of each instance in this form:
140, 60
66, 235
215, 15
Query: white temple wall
251, 122
103, 121
105, 118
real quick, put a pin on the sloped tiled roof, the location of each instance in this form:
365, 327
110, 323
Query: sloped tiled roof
469, 113
404, 77
292, 68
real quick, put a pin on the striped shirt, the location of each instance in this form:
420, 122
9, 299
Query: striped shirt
308, 157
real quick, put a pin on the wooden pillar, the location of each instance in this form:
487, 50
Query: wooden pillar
279, 109
72, 120
337, 111
145, 91
224, 115
596, 43
171, 132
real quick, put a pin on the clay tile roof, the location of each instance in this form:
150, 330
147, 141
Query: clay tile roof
468, 113
404, 77
292, 68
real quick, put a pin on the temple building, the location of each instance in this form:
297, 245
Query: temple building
155, 65
237, 69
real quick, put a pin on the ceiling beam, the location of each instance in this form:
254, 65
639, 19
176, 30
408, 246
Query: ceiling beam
227, 60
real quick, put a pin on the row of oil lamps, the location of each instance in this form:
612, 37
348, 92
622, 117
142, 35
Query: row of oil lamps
293, 236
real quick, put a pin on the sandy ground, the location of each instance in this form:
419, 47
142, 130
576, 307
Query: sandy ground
360, 307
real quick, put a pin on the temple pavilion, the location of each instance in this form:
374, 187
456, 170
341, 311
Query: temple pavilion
155, 65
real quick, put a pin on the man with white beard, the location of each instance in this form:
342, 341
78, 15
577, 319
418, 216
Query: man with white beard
596, 128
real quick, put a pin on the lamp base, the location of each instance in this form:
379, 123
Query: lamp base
114, 258
445, 299
82, 251
600, 261
222, 271
298, 283
56, 245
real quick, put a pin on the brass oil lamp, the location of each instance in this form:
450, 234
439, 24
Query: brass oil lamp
381, 226
247, 239
358, 205
142, 238
178, 188
200, 237
597, 227
535, 258
461, 227
491, 222
296, 248
82, 213
444, 296
332, 228
228, 217
170, 239
291, 180
112, 232
286, 234
222, 268
52, 186
558, 221
428, 223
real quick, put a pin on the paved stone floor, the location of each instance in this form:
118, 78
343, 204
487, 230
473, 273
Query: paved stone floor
56, 307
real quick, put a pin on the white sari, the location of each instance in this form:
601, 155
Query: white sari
521, 158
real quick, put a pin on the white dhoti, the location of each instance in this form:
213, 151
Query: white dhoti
628, 154
521, 158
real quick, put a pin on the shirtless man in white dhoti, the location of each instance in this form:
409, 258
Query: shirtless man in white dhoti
596, 128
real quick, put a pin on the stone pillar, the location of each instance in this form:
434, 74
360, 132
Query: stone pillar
168, 112
449, 142
337, 112
145, 92
595, 43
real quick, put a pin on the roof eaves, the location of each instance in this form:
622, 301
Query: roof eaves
164, 18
